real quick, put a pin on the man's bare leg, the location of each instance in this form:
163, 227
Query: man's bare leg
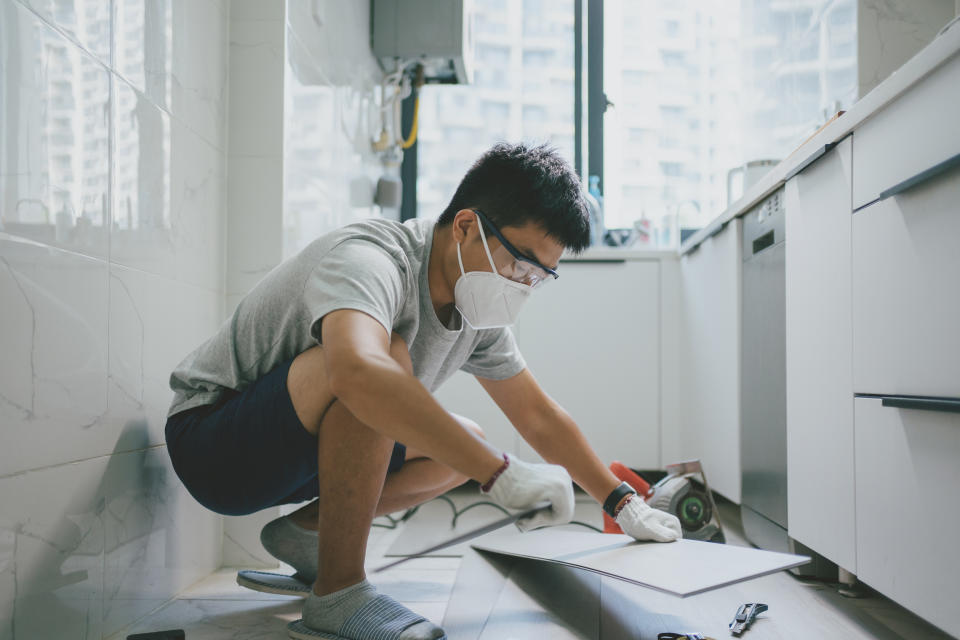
352, 463
419, 480
353, 460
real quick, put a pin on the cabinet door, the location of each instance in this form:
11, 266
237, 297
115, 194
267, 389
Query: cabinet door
916, 131
592, 340
710, 358
906, 291
820, 483
908, 479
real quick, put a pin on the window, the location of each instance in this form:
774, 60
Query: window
717, 84
523, 90
698, 88
671, 169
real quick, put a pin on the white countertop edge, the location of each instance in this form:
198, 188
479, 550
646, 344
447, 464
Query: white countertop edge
927, 60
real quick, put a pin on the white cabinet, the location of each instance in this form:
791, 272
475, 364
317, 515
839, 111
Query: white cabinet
592, 340
918, 130
906, 291
908, 474
905, 311
709, 389
820, 489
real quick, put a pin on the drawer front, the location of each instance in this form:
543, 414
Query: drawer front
907, 482
906, 292
915, 132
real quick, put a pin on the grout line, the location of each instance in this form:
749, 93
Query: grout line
79, 461
176, 281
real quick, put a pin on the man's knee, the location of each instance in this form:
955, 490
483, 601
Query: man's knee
469, 424
309, 387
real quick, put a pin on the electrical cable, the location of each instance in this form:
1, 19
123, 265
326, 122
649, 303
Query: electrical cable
409, 513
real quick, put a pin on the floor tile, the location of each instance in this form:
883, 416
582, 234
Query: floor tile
217, 608
222, 585
222, 619
415, 585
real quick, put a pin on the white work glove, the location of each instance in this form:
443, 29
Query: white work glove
522, 485
643, 522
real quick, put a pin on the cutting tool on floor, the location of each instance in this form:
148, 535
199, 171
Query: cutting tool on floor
745, 615
470, 535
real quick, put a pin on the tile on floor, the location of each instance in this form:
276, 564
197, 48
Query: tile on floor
216, 608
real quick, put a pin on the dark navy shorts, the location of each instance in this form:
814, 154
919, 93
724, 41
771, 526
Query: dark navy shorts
249, 450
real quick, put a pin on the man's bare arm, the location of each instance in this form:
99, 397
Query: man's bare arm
381, 394
549, 429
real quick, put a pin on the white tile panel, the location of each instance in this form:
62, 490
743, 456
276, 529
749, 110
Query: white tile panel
51, 552
157, 539
175, 53
86, 22
53, 373
169, 190
256, 108
54, 128
154, 323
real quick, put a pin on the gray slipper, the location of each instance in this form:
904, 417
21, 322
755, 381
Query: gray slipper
394, 619
278, 583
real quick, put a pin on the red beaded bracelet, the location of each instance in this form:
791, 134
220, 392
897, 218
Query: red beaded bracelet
489, 484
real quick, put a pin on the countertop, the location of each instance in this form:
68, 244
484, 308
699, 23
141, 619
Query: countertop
615, 254
942, 49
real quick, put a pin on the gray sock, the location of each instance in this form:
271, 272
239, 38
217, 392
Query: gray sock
329, 613
292, 544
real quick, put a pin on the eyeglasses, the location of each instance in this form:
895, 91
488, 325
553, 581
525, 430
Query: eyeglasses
511, 263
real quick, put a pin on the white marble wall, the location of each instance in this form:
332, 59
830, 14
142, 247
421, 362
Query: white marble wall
331, 116
304, 102
112, 250
890, 32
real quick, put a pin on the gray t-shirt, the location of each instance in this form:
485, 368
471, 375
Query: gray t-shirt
375, 266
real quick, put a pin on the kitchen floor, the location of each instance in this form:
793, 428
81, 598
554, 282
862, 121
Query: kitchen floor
216, 608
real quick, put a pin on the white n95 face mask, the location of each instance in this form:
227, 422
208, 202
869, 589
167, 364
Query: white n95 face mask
486, 299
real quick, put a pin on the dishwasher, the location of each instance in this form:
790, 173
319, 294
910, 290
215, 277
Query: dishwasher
763, 383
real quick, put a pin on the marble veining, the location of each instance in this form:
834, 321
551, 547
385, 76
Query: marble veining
51, 576
171, 51
112, 240
168, 187
53, 371
891, 31
86, 22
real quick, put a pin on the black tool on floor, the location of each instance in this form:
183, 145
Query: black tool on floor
171, 634
745, 615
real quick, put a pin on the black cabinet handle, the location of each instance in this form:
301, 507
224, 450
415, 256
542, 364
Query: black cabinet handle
950, 405
816, 155
923, 176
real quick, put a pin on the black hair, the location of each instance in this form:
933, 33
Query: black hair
513, 184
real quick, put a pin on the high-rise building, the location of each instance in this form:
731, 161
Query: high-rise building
523, 90
702, 87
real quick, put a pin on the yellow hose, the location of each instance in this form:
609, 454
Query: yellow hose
407, 143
